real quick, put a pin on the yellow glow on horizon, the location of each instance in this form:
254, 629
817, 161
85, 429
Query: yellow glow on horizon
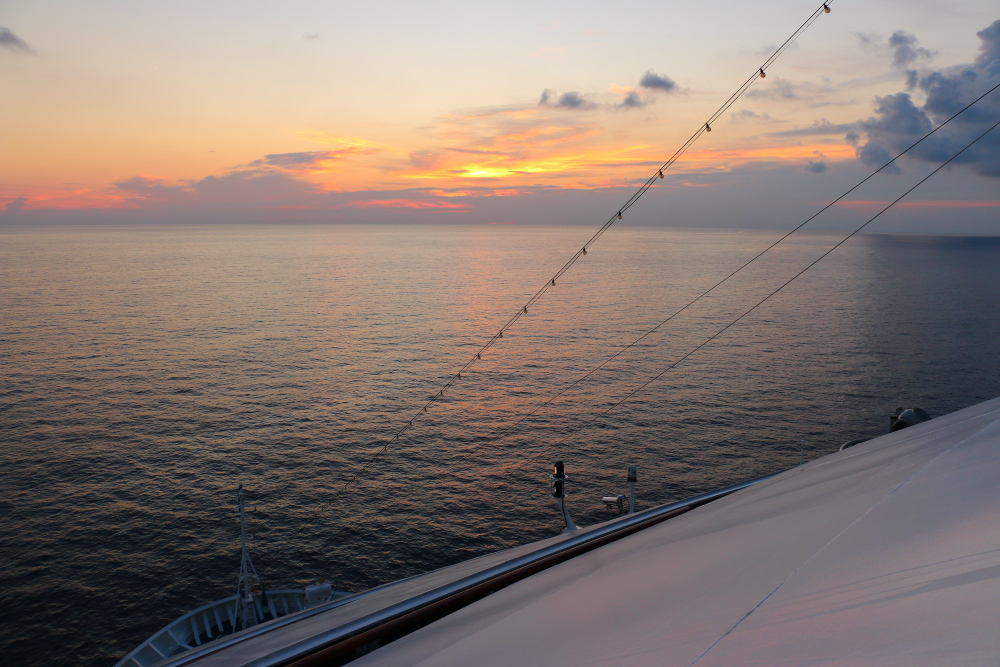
320, 137
475, 171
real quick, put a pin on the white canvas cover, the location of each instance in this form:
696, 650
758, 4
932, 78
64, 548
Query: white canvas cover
885, 554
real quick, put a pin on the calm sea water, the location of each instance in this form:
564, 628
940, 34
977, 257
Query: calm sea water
148, 372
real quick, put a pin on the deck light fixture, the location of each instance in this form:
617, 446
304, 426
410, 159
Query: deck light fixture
559, 493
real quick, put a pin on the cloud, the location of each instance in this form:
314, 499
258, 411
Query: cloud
15, 205
311, 35
808, 92
310, 160
905, 51
297, 160
655, 81
816, 167
746, 115
571, 100
456, 207
148, 188
318, 137
485, 151
779, 89
242, 189
263, 190
821, 127
10, 41
512, 146
425, 159
899, 121
873, 205
868, 40
767, 50
275, 184
902, 46
255, 187
631, 97
989, 51
633, 100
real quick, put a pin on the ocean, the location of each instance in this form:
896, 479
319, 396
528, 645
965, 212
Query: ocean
148, 371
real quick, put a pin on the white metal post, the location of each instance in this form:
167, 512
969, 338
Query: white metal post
249, 582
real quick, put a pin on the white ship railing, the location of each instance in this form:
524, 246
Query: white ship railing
421, 607
218, 619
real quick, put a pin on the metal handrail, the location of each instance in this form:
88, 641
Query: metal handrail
602, 533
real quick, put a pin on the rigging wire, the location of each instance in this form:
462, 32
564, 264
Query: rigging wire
766, 298
501, 434
551, 282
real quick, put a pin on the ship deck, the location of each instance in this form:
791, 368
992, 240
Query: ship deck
885, 553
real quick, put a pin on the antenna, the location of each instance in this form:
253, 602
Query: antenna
249, 582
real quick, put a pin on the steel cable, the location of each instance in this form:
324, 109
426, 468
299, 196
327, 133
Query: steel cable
766, 298
711, 289
551, 282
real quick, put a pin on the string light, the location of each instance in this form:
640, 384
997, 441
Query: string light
785, 284
628, 204
698, 298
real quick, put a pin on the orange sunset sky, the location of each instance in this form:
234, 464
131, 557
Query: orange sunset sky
512, 112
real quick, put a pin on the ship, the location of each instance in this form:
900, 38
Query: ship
883, 552
251, 605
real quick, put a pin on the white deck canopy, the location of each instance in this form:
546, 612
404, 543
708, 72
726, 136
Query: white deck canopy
885, 554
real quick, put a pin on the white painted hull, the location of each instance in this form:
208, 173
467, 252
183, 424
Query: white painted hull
218, 619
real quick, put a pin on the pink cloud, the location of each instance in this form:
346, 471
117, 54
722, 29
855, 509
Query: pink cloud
250, 187
410, 203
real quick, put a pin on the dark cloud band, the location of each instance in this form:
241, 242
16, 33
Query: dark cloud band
655, 81
570, 100
899, 121
10, 41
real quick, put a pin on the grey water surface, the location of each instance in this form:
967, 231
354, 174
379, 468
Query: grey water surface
146, 372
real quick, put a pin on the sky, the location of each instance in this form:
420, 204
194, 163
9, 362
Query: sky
498, 113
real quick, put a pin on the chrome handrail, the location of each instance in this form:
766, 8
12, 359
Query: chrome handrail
376, 618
